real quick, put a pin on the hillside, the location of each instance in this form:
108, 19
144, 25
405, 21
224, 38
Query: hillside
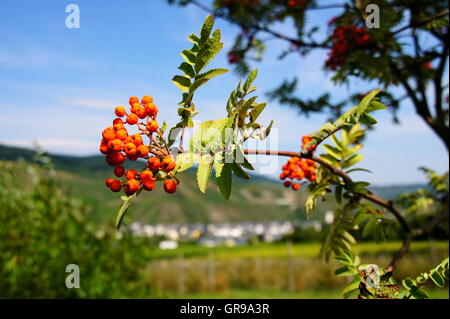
260, 199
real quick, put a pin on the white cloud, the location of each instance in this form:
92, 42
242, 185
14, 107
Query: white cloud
55, 145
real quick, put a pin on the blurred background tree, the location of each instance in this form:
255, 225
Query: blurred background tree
408, 53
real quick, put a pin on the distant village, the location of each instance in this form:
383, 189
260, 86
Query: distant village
224, 234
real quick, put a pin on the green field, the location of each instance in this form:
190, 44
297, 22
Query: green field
274, 270
281, 250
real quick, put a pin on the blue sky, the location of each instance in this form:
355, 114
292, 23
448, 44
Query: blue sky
59, 86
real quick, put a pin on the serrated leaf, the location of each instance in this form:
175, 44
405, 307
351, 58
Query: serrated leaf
189, 57
187, 69
346, 270
332, 151
367, 119
437, 278
183, 83
366, 101
224, 178
256, 111
419, 293
212, 73
204, 172
237, 169
352, 287
375, 106
251, 77
336, 142
206, 29
185, 161
206, 53
197, 83
194, 38
408, 283
354, 160
123, 209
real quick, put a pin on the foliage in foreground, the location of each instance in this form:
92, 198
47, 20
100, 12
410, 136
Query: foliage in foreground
43, 229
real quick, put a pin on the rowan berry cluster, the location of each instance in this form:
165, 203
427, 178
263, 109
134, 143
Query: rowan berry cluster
118, 146
345, 39
235, 57
299, 169
295, 3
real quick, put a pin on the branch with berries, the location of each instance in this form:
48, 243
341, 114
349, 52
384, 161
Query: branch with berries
218, 147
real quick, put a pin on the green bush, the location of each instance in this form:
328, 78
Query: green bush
43, 229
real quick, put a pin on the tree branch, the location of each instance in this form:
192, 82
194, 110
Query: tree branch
374, 199
263, 28
419, 23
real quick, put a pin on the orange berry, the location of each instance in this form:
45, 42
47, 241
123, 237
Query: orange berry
132, 119
170, 186
146, 175
115, 145
135, 108
146, 99
133, 157
133, 100
130, 149
104, 146
109, 181
132, 186
154, 164
120, 111
287, 183
119, 171
296, 186
151, 109
136, 139
116, 186
168, 164
148, 185
115, 158
141, 113
108, 134
118, 122
142, 151
152, 126
131, 174
122, 134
